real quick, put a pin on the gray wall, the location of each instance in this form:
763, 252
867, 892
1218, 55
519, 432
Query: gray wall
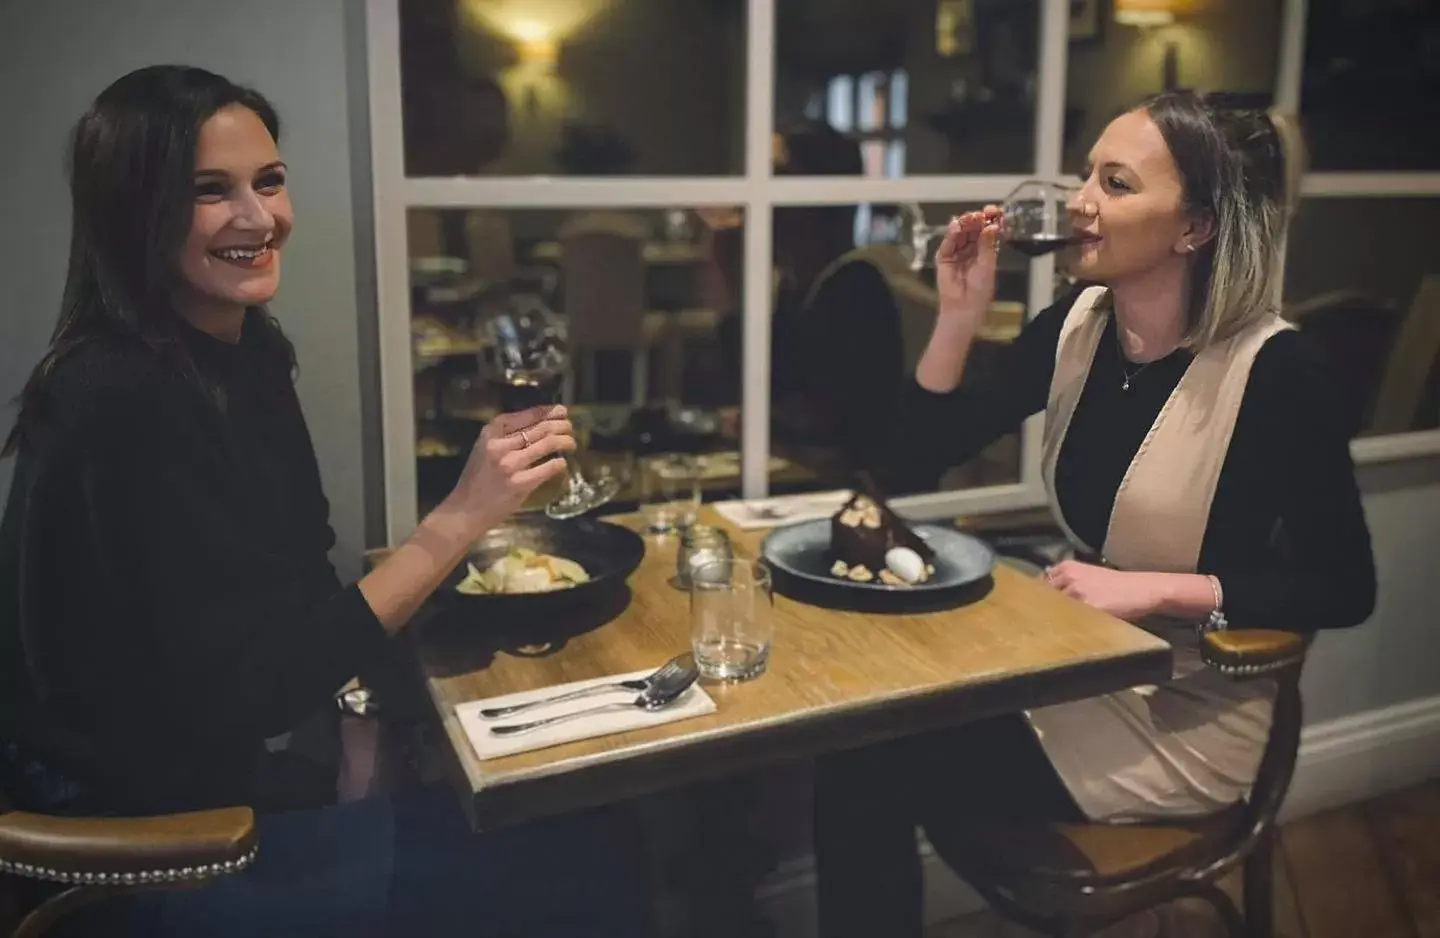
56, 55
1395, 656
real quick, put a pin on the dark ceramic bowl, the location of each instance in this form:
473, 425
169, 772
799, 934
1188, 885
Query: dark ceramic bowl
608, 552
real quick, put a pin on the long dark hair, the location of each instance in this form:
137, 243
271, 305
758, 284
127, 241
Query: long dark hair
131, 168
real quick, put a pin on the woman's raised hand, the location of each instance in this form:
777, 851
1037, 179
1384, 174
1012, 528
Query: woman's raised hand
512, 458
965, 263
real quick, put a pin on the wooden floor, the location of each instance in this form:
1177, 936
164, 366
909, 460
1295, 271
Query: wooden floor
1370, 871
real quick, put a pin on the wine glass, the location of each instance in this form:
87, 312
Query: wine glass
529, 358
912, 222
1037, 217
1036, 221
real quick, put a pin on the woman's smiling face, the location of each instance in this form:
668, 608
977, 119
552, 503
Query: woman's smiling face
242, 214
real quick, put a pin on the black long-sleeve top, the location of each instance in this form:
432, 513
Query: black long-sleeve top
166, 601
1286, 536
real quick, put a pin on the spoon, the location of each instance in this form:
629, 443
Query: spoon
666, 672
657, 695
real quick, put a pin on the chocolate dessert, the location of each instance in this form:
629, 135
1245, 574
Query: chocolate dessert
869, 542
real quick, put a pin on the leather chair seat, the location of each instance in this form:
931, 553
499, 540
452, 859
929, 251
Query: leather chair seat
1097, 853
202, 842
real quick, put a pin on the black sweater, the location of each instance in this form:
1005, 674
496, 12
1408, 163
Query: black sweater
166, 601
1288, 468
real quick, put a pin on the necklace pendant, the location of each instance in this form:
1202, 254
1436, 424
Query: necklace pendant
1126, 385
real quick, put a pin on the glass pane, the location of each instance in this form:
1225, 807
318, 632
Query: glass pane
851, 319
1370, 94
951, 81
573, 87
645, 299
1228, 46
1363, 277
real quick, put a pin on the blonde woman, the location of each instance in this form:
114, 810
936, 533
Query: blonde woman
1193, 456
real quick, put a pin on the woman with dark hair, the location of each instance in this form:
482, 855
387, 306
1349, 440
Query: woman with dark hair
1197, 463
166, 601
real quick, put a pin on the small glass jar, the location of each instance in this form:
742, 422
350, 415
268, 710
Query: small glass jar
700, 544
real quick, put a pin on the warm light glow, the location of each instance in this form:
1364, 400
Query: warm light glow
1144, 17
532, 21
538, 51
529, 31
1154, 12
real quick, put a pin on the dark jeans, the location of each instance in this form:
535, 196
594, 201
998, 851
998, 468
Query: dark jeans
868, 803
407, 865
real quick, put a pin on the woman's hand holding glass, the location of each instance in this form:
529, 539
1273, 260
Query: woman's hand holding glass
965, 264
512, 458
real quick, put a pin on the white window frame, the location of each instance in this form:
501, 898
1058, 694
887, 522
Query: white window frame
1349, 185
759, 192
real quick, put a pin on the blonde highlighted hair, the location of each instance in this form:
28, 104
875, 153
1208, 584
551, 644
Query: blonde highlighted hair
1240, 170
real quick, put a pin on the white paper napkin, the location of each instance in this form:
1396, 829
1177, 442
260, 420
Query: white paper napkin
694, 703
773, 512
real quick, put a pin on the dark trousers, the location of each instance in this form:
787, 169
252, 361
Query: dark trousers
408, 865
868, 803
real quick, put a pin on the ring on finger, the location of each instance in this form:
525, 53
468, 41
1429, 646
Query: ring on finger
523, 438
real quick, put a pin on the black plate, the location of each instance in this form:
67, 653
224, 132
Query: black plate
608, 552
800, 556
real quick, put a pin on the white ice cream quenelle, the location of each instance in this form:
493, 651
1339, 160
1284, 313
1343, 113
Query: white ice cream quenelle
905, 563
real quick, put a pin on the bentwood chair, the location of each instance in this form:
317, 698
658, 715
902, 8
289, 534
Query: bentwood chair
1070, 880
68, 862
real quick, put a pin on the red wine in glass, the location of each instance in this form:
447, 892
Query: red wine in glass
529, 355
1036, 218
1034, 245
521, 389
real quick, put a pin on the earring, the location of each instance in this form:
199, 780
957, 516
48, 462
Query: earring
1189, 248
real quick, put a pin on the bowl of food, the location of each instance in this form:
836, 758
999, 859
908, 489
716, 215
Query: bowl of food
535, 567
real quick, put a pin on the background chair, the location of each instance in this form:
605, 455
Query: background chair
1385, 361
602, 268
80, 861
1406, 398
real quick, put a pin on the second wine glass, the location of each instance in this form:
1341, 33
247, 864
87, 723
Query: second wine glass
529, 358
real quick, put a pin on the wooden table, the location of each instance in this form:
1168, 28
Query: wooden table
836, 680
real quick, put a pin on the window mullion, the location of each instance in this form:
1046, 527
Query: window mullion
757, 295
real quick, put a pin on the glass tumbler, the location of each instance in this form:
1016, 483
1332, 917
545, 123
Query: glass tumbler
732, 618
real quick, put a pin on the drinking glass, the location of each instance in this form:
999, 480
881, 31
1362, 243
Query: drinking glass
732, 618
669, 492
1037, 217
529, 358
920, 232
1036, 220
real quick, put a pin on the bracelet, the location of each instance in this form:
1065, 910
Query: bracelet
1216, 621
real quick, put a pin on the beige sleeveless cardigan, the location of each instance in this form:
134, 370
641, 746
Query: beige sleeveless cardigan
1194, 744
